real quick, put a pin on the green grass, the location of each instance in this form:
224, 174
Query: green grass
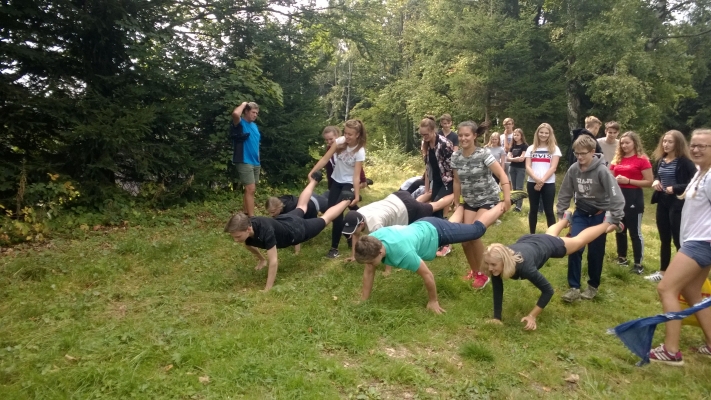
147, 312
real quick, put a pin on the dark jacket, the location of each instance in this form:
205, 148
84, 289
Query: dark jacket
237, 137
576, 134
685, 170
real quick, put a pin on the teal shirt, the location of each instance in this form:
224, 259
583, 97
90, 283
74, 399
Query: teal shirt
407, 246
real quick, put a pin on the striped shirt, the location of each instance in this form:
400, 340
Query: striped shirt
667, 173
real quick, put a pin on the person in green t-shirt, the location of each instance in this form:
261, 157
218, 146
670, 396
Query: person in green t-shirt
407, 247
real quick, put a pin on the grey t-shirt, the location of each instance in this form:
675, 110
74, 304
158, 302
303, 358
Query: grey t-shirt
497, 152
478, 185
608, 149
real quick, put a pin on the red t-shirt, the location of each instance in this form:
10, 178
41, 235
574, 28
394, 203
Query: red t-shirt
631, 167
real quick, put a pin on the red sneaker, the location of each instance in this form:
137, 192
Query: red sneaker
469, 276
480, 281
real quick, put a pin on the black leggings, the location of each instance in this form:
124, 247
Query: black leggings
634, 208
440, 190
333, 195
669, 226
547, 195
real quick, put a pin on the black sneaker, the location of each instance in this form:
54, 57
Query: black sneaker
333, 253
318, 175
638, 269
368, 181
346, 195
622, 261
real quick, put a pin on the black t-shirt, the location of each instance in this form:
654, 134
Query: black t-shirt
289, 202
535, 250
517, 150
452, 137
434, 165
281, 231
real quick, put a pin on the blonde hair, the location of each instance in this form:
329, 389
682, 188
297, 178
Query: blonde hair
507, 120
357, 125
494, 135
551, 138
681, 148
274, 204
332, 129
585, 142
592, 120
702, 173
238, 223
507, 256
636, 141
367, 249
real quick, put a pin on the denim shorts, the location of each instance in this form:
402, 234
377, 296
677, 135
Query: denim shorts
697, 250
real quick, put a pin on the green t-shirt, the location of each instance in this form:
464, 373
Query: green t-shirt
407, 246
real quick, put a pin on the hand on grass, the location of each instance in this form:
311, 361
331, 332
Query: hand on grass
530, 322
434, 306
349, 259
260, 265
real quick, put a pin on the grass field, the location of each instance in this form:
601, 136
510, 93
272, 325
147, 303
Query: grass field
176, 311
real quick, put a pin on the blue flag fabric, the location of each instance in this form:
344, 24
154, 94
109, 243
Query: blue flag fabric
637, 334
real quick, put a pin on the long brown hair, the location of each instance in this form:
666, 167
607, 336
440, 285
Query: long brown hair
362, 138
681, 147
636, 141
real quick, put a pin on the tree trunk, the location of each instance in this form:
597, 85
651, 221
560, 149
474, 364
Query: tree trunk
573, 106
348, 88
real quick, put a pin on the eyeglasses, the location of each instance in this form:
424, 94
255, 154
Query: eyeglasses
581, 154
699, 146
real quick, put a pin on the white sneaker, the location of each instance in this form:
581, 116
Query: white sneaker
655, 277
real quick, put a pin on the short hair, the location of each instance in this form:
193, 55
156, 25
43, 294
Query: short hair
428, 123
507, 120
367, 248
592, 120
445, 117
251, 106
273, 203
585, 142
507, 256
613, 125
238, 223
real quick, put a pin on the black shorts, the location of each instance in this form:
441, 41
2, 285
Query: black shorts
312, 227
311, 211
476, 209
415, 209
552, 245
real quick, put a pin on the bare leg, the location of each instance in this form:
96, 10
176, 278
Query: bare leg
335, 211
248, 200
442, 203
683, 276
305, 196
573, 244
458, 216
555, 229
474, 249
489, 217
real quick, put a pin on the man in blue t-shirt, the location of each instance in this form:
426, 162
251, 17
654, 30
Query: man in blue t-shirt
245, 138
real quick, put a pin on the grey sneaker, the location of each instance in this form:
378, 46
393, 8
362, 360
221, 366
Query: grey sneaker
622, 261
638, 269
573, 294
333, 253
589, 293
568, 215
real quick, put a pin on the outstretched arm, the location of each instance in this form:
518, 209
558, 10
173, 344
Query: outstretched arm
322, 162
273, 265
368, 277
428, 278
498, 170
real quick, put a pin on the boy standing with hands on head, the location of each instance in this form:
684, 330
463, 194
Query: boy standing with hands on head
598, 199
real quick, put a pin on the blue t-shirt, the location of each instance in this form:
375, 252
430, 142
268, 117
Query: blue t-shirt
251, 145
407, 246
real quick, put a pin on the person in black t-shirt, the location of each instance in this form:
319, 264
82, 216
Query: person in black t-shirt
524, 259
318, 203
516, 156
284, 230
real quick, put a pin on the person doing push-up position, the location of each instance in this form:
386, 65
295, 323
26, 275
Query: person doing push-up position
524, 259
284, 230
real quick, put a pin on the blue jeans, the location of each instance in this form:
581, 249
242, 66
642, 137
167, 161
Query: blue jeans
596, 251
517, 177
450, 232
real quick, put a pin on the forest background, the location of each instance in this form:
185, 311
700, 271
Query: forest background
139, 93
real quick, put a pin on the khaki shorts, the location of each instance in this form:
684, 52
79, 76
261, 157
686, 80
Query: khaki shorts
247, 173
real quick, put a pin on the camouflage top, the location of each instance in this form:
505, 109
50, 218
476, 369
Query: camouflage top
478, 185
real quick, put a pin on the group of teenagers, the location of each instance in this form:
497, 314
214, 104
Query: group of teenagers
404, 230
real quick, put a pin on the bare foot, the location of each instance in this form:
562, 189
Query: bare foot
261, 265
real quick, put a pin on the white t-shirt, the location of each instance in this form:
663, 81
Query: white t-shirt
541, 161
608, 149
696, 214
387, 212
345, 162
